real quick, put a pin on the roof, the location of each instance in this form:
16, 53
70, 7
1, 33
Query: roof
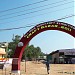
54, 52
66, 51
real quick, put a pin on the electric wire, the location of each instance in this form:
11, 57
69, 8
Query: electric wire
37, 15
69, 16
33, 8
23, 6
36, 11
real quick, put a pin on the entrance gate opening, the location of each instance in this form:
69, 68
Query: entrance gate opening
51, 25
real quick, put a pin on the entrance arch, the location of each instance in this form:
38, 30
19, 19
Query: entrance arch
51, 25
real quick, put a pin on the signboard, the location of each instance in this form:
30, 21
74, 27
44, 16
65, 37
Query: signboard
52, 25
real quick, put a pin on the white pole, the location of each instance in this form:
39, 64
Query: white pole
25, 63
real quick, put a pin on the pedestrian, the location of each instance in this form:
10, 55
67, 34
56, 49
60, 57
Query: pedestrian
47, 65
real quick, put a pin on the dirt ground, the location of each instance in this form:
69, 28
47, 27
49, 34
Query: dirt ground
35, 68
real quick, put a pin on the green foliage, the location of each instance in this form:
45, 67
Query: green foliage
30, 52
12, 45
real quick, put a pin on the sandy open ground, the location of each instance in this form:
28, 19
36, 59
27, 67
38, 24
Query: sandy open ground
33, 68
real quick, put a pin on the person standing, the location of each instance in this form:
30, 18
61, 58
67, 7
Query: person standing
47, 65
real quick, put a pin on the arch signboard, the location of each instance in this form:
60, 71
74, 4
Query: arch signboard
51, 25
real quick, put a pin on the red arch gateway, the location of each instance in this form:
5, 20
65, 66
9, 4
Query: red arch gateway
51, 25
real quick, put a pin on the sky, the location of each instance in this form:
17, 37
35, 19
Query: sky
21, 13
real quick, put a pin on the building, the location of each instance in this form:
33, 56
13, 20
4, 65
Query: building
2, 52
3, 44
66, 56
3, 47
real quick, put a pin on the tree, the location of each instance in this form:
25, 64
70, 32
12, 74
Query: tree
12, 45
30, 51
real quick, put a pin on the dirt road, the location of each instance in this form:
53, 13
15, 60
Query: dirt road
33, 68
